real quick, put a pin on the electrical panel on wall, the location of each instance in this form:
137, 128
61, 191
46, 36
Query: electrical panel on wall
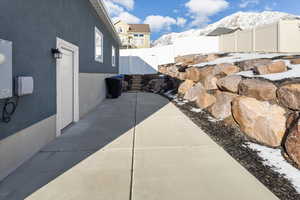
5, 69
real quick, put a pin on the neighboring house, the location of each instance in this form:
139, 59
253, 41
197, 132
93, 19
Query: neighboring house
134, 35
222, 31
65, 89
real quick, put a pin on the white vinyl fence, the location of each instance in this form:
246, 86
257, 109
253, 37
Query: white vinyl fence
283, 36
146, 61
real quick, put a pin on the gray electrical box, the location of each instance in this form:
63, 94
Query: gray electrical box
6, 90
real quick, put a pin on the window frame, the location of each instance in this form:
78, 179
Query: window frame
113, 56
98, 32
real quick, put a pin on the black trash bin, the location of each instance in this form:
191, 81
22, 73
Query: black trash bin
114, 87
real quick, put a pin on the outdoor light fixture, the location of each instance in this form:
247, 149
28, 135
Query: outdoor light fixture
56, 53
2, 58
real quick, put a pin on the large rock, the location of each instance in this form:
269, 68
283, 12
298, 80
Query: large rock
295, 61
211, 57
204, 100
226, 69
259, 120
222, 108
251, 64
259, 89
173, 71
185, 86
271, 68
292, 143
181, 75
196, 74
210, 82
194, 92
156, 85
194, 59
289, 96
162, 69
229, 83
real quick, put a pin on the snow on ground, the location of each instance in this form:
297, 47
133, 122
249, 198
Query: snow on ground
293, 72
170, 94
238, 57
196, 110
274, 159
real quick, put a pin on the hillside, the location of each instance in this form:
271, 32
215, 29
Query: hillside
244, 20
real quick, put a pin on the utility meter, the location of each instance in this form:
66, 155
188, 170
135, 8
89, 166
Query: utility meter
5, 69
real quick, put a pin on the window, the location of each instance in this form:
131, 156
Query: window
120, 30
141, 35
113, 57
136, 35
98, 45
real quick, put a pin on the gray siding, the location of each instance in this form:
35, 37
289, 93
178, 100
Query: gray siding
32, 26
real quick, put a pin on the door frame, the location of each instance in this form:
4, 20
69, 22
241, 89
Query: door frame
60, 43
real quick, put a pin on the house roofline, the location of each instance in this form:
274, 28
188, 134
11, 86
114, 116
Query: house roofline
103, 14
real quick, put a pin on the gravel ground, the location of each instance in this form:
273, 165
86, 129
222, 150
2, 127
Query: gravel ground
228, 136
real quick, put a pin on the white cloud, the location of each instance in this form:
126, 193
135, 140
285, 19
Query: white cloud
181, 21
128, 18
201, 10
113, 9
117, 10
129, 4
246, 3
160, 23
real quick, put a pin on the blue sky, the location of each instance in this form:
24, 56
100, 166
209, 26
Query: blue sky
166, 16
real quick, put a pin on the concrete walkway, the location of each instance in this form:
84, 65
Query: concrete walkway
138, 147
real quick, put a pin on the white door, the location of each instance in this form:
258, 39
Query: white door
67, 87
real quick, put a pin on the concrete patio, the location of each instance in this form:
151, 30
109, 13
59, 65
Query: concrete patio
137, 147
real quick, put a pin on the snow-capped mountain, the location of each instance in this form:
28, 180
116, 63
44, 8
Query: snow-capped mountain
244, 20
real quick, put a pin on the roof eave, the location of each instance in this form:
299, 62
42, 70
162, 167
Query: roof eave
103, 14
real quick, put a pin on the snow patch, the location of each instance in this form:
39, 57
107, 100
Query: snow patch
244, 20
196, 110
274, 159
238, 57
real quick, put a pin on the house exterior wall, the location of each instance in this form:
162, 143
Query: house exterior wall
122, 29
33, 26
92, 91
140, 42
129, 38
17, 148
